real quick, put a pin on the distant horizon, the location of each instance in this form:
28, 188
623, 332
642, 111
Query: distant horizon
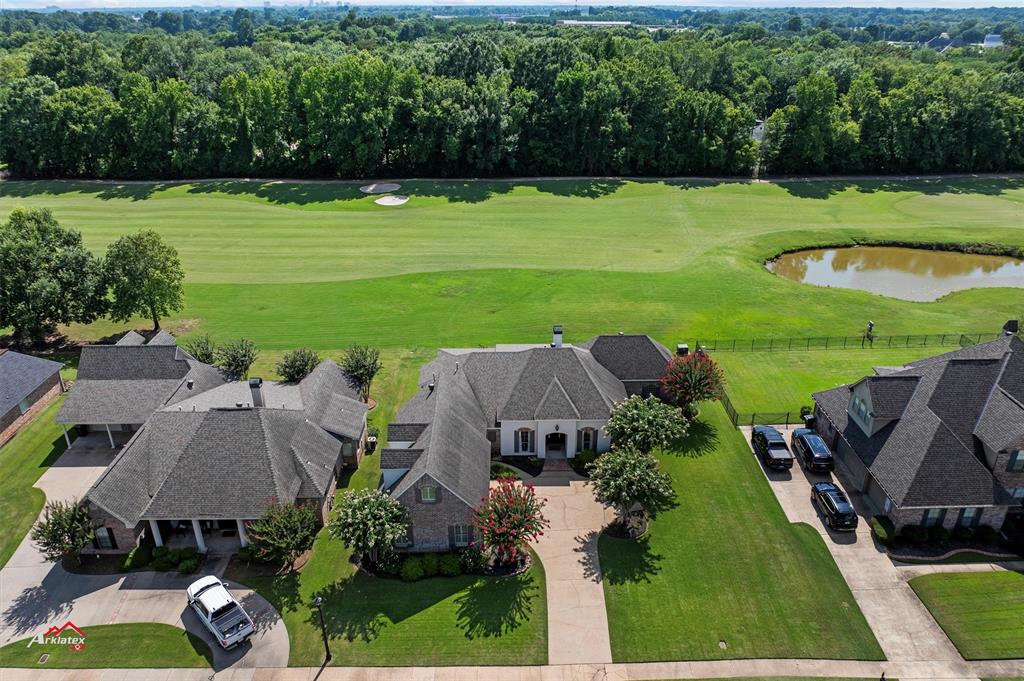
96, 5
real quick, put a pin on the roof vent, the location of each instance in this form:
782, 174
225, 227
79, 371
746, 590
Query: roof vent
190, 384
239, 405
433, 382
682, 349
456, 367
556, 336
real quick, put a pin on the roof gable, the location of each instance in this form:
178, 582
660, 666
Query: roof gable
21, 374
555, 404
630, 358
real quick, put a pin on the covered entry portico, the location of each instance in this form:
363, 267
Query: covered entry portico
206, 535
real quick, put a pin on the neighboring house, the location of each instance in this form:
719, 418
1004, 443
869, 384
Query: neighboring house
547, 401
936, 442
24, 381
119, 386
201, 466
992, 41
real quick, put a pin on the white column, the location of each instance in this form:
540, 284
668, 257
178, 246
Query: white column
67, 440
199, 536
155, 529
110, 435
241, 533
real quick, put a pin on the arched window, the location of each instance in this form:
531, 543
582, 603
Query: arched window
524, 441
586, 439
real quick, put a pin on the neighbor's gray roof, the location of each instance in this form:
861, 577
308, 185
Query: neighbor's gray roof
127, 383
930, 454
630, 358
131, 338
162, 338
20, 375
222, 463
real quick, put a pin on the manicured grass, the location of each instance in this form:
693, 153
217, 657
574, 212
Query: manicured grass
441, 621
725, 565
482, 262
782, 382
117, 646
981, 612
23, 459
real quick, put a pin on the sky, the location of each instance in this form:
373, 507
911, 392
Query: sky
100, 4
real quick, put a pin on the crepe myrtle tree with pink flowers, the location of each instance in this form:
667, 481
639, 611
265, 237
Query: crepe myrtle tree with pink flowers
508, 519
693, 378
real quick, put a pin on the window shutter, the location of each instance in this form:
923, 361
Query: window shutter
419, 497
579, 440
515, 447
471, 530
451, 536
533, 442
437, 494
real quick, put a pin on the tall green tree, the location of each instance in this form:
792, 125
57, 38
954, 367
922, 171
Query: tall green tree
47, 277
145, 277
63, 531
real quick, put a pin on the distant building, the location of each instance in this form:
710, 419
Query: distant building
593, 24
943, 42
992, 40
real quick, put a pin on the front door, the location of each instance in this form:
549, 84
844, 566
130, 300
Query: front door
554, 444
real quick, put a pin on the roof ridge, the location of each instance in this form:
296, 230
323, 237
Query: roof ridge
593, 379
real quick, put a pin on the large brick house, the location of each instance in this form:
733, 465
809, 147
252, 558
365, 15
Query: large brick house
936, 442
25, 381
547, 401
213, 455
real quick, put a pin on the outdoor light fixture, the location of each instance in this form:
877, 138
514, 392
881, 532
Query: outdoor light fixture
318, 602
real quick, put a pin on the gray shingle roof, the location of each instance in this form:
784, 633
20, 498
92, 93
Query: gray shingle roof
405, 432
630, 358
930, 455
162, 338
131, 338
399, 458
20, 375
218, 464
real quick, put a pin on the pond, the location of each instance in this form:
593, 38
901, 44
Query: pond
908, 273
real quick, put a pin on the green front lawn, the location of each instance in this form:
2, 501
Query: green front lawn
726, 565
981, 612
116, 646
23, 459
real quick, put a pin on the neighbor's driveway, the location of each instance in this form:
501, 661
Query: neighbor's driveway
577, 619
35, 594
903, 626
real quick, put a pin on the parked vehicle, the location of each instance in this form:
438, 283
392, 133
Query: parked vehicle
769, 444
837, 509
219, 612
812, 451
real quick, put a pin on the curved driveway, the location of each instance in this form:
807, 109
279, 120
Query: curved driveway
35, 594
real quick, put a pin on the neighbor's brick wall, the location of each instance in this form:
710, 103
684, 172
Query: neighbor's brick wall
38, 399
430, 521
126, 537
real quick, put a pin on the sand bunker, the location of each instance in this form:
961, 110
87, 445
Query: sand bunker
392, 200
380, 188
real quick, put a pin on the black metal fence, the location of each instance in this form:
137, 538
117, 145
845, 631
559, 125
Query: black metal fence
768, 418
845, 342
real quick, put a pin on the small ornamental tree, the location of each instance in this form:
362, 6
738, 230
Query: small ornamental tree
297, 364
202, 348
645, 424
368, 522
361, 363
693, 378
235, 358
64, 530
623, 478
283, 533
508, 518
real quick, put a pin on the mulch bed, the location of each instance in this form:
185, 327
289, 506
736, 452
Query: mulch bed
925, 552
528, 465
618, 530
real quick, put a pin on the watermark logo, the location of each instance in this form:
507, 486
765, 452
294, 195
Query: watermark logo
65, 635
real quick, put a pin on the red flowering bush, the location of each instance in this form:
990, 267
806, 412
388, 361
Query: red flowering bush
508, 518
693, 378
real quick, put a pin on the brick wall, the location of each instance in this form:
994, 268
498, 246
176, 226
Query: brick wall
37, 399
430, 520
125, 537
993, 517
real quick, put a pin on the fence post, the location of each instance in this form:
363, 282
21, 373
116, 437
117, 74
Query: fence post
787, 420
826, 341
771, 344
845, 338
943, 342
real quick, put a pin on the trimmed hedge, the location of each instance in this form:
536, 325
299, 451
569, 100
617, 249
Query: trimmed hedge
412, 569
883, 529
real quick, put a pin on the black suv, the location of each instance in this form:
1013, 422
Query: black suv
838, 511
813, 452
769, 444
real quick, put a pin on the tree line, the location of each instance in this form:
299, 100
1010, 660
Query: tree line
298, 101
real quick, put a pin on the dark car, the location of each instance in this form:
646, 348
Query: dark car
812, 451
769, 444
838, 511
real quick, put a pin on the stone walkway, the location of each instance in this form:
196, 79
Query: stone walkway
577, 619
35, 594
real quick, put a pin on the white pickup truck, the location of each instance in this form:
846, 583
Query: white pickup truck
219, 612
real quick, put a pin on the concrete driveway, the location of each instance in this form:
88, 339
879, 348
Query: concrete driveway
35, 594
903, 626
577, 619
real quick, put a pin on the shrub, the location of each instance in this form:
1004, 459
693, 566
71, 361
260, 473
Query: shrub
883, 529
140, 556
449, 565
412, 569
430, 565
236, 357
693, 378
188, 553
500, 470
388, 563
202, 348
297, 364
368, 521
915, 534
187, 567
645, 424
173, 556
962, 532
160, 551
162, 564
586, 457
806, 410
472, 560
986, 534
64, 531
361, 363
508, 519
372, 430
250, 554
283, 533
938, 534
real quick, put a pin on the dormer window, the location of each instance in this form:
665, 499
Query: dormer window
859, 408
